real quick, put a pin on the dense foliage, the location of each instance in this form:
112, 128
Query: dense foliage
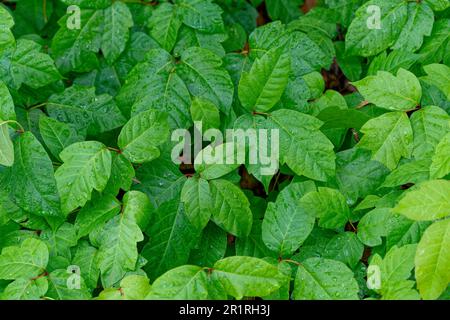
92, 204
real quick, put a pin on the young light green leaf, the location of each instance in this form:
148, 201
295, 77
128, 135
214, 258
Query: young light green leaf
132, 287
432, 260
6, 146
246, 276
389, 137
206, 112
440, 165
429, 201
25, 261
141, 136
403, 92
197, 199
182, 283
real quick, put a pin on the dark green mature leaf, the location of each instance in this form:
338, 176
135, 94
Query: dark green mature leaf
87, 166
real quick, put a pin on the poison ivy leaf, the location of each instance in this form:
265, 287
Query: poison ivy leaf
204, 76
419, 24
262, 87
165, 23
286, 222
411, 172
6, 104
25, 261
433, 260
196, 196
324, 279
201, 14
118, 246
87, 166
246, 276
96, 212
345, 247
34, 188
329, 205
182, 283
32, 67
403, 93
116, 24
59, 289
132, 287
429, 201
211, 247
205, 112
141, 136
85, 111
374, 29
173, 237
428, 124
85, 258
75, 49
439, 76
389, 137
284, 10
303, 147
373, 226
6, 146
57, 135
230, 208
440, 165
435, 47
392, 62
26, 289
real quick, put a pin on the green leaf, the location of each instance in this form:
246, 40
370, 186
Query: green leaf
31, 67
96, 212
262, 87
305, 149
230, 208
201, 14
403, 93
165, 24
75, 49
85, 258
116, 24
373, 226
287, 223
364, 41
428, 124
6, 104
182, 283
389, 137
26, 289
206, 112
433, 260
246, 276
196, 196
34, 188
173, 237
57, 135
204, 76
284, 10
141, 136
415, 172
85, 111
87, 166
132, 287
435, 46
25, 261
6, 146
430, 200
324, 279
118, 246
59, 286
211, 247
419, 24
439, 76
345, 247
329, 205
440, 165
